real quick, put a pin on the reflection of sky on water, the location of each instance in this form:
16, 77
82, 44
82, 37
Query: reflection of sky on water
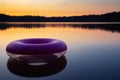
107, 26
97, 63
91, 54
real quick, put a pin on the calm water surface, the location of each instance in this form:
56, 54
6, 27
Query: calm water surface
93, 51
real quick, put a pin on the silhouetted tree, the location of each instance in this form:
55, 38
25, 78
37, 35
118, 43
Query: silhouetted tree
108, 17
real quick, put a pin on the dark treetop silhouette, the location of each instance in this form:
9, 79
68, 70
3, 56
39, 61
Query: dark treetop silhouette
108, 17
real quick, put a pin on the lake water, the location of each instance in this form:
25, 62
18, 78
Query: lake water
93, 51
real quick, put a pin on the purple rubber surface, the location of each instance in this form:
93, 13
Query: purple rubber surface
36, 46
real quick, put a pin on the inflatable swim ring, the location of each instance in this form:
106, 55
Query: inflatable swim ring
36, 49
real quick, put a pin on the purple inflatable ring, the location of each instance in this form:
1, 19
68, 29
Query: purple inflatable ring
36, 48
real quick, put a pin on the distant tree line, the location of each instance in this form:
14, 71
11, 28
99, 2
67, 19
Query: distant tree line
107, 17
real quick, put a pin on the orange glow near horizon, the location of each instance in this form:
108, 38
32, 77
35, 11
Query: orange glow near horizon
57, 7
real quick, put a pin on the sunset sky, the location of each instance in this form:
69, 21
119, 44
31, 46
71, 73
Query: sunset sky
58, 7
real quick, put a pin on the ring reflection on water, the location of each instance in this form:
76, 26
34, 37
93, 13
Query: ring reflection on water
39, 70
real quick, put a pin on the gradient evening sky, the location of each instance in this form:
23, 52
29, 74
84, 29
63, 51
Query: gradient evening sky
58, 7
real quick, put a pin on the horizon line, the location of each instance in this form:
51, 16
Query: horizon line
59, 16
